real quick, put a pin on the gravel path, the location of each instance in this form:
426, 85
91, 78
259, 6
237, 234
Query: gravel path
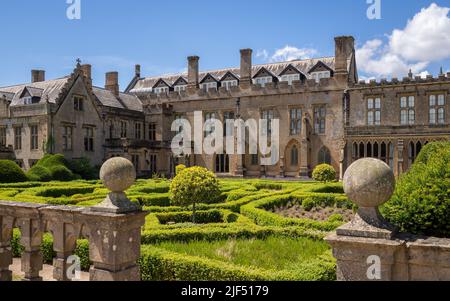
46, 273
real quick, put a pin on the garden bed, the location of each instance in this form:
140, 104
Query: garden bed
316, 213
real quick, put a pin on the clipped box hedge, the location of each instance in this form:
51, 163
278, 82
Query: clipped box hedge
258, 212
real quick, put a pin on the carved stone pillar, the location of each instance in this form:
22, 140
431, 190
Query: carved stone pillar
114, 245
115, 235
6, 259
368, 237
400, 149
304, 149
31, 239
61, 223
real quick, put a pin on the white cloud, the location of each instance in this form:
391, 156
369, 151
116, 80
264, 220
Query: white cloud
375, 60
263, 54
426, 38
423, 74
287, 53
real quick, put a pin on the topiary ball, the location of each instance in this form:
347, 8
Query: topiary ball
10, 172
324, 173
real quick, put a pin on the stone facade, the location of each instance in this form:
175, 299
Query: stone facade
426, 118
67, 116
325, 115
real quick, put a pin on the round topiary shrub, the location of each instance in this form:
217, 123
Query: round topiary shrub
61, 173
10, 172
421, 202
39, 174
324, 173
83, 169
194, 185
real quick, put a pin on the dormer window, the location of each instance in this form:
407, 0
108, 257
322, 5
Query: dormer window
27, 100
208, 82
290, 78
207, 86
160, 90
320, 70
31, 95
263, 77
229, 83
180, 85
291, 73
262, 80
161, 87
319, 75
180, 88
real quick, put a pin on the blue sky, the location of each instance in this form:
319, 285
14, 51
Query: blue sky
159, 35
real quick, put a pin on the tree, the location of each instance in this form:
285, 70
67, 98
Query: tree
192, 186
324, 173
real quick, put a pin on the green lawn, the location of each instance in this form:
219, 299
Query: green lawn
274, 253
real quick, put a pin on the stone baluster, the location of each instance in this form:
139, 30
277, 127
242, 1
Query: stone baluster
6, 258
31, 229
114, 226
62, 224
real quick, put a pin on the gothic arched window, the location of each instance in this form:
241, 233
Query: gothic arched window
324, 156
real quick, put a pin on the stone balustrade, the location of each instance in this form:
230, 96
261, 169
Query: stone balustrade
370, 248
112, 228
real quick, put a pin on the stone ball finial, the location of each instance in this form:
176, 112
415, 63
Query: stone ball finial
369, 182
118, 174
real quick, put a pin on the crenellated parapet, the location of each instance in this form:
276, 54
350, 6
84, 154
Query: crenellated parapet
445, 78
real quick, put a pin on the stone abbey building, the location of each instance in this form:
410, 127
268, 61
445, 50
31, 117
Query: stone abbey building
326, 115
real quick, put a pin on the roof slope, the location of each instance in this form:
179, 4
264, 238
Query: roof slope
145, 84
124, 101
48, 90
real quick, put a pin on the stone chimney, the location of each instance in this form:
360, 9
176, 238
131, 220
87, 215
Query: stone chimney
37, 76
112, 82
345, 46
246, 67
137, 71
87, 71
193, 72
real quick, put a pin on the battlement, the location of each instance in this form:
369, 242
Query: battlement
404, 81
